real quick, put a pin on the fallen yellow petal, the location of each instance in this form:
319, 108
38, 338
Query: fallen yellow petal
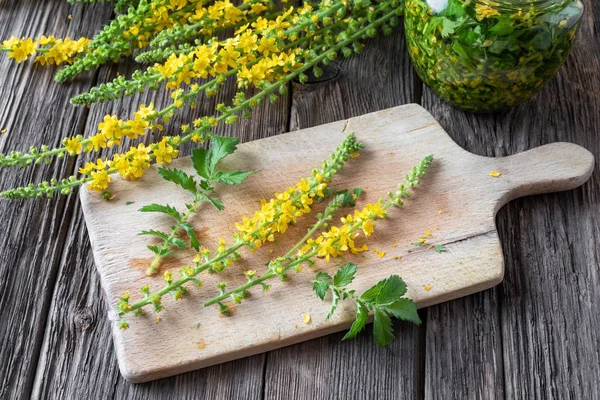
495, 174
307, 319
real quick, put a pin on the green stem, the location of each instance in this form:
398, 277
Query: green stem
267, 275
153, 268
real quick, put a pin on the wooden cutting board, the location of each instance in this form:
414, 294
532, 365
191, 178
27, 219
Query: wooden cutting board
457, 201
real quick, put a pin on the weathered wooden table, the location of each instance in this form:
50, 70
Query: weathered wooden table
535, 336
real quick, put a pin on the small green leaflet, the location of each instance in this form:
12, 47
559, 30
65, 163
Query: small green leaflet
370, 294
178, 177
232, 177
345, 275
152, 232
335, 299
440, 248
392, 289
362, 316
162, 209
404, 309
383, 329
194, 243
205, 161
177, 242
321, 284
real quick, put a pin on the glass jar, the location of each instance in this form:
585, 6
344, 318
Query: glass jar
485, 55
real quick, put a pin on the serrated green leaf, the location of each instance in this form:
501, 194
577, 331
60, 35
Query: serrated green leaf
194, 243
404, 309
205, 161
179, 243
335, 299
171, 211
152, 232
178, 177
362, 315
392, 289
215, 201
320, 288
323, 276
232, 177
383, 329
448, 27
371, 294
153, 248
345, 275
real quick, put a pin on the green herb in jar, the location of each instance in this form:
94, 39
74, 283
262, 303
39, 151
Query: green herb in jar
483, 55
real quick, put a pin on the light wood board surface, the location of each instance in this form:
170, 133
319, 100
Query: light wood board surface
457, 202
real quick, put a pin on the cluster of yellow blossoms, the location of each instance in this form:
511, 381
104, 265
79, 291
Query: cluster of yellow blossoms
48, 50
267, 52
277, 214
339, 240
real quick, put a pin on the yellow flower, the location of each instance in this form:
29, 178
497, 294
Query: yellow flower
20, 49
267, 46
97, 142
100, 181
164, 152
73, 146
485, 11
89, 167
111, 127
144, 112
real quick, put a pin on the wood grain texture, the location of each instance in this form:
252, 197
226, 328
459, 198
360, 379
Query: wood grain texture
467, 202
546, 311
85, 352
34, 231
356, 368
535, 335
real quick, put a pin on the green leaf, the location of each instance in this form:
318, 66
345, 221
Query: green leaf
335, 298
362, 315
179, 243
194, 243
153, 249
321, 284
383, 329
404, 309
152, 232
320, 288
323, 276
205, 161
505, 26
172, 212
232, 177
393, 288
448, 27
345, 275
371, 294
178, 177
440, 248
215, 201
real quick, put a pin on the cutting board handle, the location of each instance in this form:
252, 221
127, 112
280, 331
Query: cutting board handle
553, 167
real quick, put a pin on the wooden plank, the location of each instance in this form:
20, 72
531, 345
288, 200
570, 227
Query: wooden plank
33, 110
535, 335
327, 367
85, 354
